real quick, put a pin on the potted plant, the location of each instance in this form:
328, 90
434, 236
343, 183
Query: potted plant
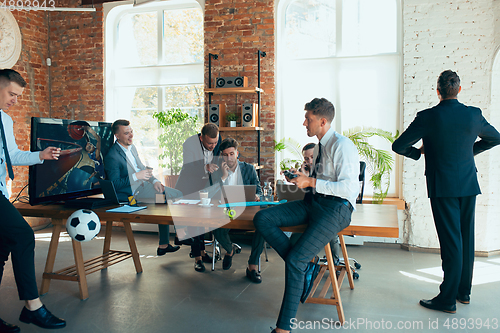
176, 127
293, 147
232, 118
379, 161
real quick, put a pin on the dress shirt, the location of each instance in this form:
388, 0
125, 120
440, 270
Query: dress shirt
132, 160
234, 178
338, 170
17, 156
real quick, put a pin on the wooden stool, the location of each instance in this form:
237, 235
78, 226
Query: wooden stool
332, 280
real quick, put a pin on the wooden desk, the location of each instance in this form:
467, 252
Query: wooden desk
367, 220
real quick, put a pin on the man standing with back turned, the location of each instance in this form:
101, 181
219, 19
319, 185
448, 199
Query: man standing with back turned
449, 131
326, 208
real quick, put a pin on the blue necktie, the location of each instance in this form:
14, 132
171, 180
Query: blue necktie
6, 152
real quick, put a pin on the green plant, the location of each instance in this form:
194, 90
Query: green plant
293, 147
176, 127
231, 117
379, 161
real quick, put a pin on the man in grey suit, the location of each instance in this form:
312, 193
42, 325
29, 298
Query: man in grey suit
235, 172
130, 177
449, 132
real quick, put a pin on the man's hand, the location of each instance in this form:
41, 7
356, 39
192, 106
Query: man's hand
144, 174
50, 153
211, 168
257, 197
159, 187
302, 181
225, 171
422, 149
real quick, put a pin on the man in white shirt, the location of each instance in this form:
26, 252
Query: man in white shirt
16, 236
130, 177
326, 208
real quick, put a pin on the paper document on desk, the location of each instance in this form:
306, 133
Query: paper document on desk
126, 209
186, 202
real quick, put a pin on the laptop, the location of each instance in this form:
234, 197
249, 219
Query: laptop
108, 189
289, 192
238, 193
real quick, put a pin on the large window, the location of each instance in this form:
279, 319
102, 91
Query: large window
154, 62
347, 51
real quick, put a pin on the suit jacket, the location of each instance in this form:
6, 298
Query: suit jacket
119, 170
191, 178
449, 131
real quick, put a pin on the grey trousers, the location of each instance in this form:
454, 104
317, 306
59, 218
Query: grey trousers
324, 217
222, 236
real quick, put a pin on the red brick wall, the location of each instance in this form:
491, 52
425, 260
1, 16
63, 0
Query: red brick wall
235, 30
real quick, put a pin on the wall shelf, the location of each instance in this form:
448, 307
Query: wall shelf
227, 91
237, 129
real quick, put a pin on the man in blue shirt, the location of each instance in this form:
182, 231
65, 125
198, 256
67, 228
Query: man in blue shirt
16, 236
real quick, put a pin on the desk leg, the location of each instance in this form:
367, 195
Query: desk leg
133, 247
51, 256
346, 261
333, 278
80, 269
107, 237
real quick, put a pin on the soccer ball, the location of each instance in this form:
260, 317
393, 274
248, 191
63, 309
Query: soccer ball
83, 225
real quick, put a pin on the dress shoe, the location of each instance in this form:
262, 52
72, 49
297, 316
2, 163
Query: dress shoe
41, 318
254, 276
464, 299
206, 258
161, 251
8, 328
227, 262
188, 241
311, 273
199, 266
433, 304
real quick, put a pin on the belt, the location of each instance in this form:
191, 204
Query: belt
334, 198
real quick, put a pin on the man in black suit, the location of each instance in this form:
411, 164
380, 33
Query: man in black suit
449, 131
199, 162
235, 172
130, 177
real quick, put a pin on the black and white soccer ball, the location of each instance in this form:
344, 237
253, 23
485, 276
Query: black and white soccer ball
83, 225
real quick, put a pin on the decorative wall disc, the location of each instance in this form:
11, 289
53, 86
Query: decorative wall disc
10, 39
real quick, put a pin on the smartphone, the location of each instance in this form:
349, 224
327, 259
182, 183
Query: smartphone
289, 175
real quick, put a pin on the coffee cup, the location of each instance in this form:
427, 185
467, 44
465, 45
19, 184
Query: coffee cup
203, 194
205, 201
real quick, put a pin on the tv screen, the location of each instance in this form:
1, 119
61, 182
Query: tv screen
76, 173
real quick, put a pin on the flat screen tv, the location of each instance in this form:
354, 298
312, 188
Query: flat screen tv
76, 173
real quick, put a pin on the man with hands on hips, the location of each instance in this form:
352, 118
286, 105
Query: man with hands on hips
16, 236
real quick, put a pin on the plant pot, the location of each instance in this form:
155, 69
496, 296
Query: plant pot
232, 123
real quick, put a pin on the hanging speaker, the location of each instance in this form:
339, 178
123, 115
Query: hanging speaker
249, 114
231, 82
216, 114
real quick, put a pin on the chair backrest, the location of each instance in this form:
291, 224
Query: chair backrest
362, 168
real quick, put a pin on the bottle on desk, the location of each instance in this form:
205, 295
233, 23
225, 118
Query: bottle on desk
267, 192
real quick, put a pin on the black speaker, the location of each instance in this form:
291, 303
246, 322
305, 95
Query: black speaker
231, 82
249, 114
216, 114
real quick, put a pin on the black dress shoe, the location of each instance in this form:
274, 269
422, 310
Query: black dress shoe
433, 304
8, 328
161, 251
227, 262
199, 266
41, 318
254, 276
312, 271
464, 299
206, 258
188, 241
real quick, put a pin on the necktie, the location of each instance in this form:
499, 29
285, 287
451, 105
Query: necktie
316, 163
6, 152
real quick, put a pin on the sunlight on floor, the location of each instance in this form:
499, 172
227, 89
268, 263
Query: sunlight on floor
484, 272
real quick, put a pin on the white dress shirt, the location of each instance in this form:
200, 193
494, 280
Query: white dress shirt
338, 173
17, 156
234, 178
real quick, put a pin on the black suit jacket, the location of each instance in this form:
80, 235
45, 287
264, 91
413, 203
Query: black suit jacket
449, 132
191, 178
119, 170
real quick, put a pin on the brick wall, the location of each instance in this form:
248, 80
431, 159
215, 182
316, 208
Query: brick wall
235, 30
441, 35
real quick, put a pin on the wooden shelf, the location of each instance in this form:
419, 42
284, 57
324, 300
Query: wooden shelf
242, 90
229, 129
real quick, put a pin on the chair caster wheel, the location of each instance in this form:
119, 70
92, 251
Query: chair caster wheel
355, 276
357, 265
190, 255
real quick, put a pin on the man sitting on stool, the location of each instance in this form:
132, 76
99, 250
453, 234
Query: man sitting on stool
235, 172
130, 177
